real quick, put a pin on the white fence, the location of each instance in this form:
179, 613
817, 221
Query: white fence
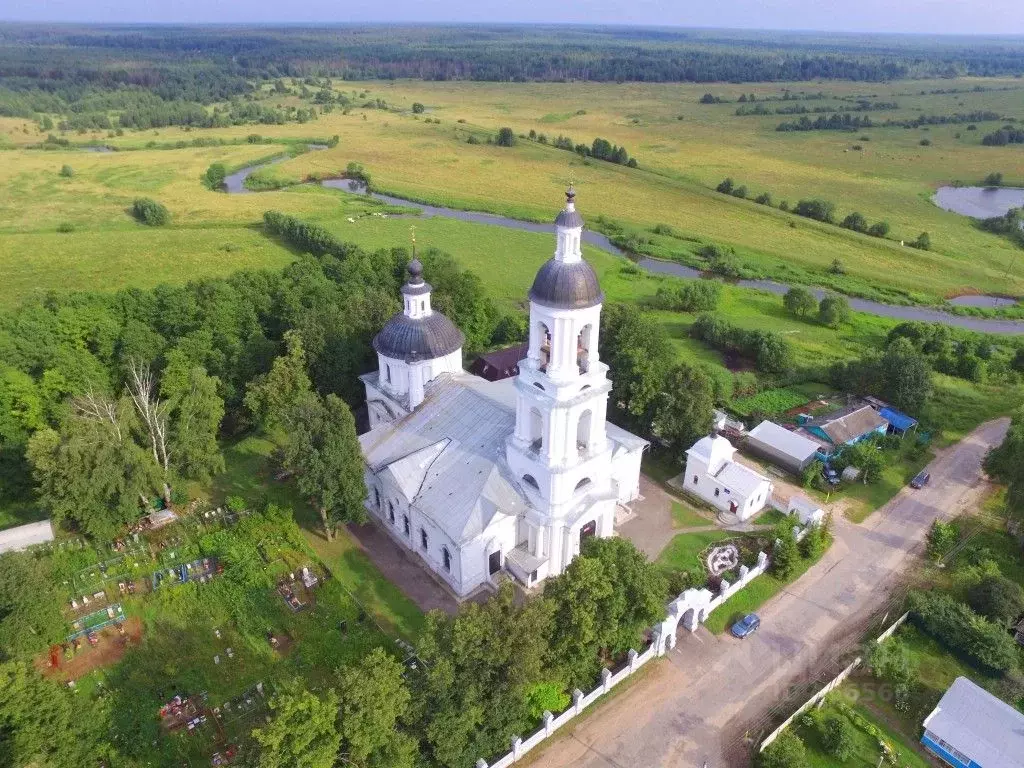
691, 608
830, 686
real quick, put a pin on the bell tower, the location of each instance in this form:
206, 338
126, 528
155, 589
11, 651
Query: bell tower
559, 450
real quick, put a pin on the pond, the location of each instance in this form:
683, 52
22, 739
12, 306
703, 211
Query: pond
979, 202
234, 182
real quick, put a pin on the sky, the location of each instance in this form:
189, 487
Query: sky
914, 16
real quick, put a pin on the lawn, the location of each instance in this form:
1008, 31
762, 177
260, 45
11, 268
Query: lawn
685, 516
899, 469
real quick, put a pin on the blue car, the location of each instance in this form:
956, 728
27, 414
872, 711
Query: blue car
746, 626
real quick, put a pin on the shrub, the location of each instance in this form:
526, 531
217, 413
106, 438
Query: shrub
856, 222
836, 268
150, 212
65, 226
506, 138
923, 242
786, 554
725, 186
472, 139
695, 296
955, 624
417, 108
214, 176
820, 210
925, 142
764, 198
997, 599
740, 191
837, 738
66, 171
879, 229
787, 751
799, 301
994, 180
834, 310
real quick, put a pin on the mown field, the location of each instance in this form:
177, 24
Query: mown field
684, 149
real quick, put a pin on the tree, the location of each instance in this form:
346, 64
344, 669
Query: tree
215, 175
66, 171
323, 450
837, 737
302, 732
821, 210
786, 554
814, 542
269, 397
683, 411
799, 301
196, 411
891, 660
942, 537
994, 179
923, 242
905, 379
834, 310
879, 229
417, 108
1005, 462
787, 751
856, 222
725, 186
506, 138
374, 698
998, 599
30, 617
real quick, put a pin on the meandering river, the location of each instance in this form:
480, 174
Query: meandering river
234, 184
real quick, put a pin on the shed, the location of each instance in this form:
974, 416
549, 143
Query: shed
24, 536
971, 728
847, 426
789, 450
899, 423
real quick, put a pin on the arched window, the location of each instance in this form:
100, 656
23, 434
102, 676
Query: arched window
391, 512
447, 557
538, 385
583, 430
583, 483
423, 539
405, 524
387, 372
536, 430
376, 498
545, 351
583, 348
530, 481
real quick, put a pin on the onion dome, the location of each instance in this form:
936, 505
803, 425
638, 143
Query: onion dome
568, 216
414, 334
566, 285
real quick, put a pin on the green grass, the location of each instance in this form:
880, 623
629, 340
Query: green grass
683, 552
769, 401
685, 516
897, 473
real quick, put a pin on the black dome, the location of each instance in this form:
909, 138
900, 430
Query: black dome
564, 285
425, 338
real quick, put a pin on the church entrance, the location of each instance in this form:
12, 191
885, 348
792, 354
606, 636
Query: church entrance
494, 562
588, 531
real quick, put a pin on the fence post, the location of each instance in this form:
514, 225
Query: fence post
548, 727
577, 700
762, 559
632, 660
517, 747
481, 763
606, 680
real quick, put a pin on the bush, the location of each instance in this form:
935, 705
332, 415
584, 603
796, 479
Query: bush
819, 210
955, 624
994, 180
786, 554
764, 198
214, 176
923, 242
740, 191
942, 537
799, 301
837, 737
834, 310
506, 138
856, 222
997, 599
66, 171
150, 212
65, 227
787, 751
725, 186
879, 229
472, 139
695, 296
925, 142
417, 108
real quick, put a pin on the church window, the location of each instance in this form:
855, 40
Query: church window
387, 372
391, 512
583, 348
583, 430
423, 538
405, 524
583, 483
447, 556
536, 430
530, 481
376, 498
695, 479
423, 306
717, 491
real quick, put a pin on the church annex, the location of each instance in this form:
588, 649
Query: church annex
478, 477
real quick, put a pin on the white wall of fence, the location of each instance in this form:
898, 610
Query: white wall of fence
830, 686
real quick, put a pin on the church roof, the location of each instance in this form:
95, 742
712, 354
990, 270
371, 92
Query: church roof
566, 285
422, 338
447, 457
569, 216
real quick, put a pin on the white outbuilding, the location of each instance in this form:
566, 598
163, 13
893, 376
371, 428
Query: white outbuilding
712, 475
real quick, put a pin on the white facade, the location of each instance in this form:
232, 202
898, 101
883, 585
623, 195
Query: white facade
476, 477
712, 475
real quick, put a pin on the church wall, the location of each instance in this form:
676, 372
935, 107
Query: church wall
626, 474
475, 553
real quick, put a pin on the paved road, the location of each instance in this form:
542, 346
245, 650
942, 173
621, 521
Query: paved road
697, 706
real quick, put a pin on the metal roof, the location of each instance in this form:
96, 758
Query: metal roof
985, 728
898, 420
422, 338
447, 457
783, 440
566, 285
739, 478
14, 539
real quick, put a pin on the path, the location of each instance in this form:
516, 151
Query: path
698, 705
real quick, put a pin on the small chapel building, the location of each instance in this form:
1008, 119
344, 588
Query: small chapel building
478, 477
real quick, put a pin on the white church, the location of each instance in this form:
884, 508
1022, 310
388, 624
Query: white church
477, 477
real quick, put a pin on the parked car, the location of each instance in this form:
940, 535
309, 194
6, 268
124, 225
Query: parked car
830, 475
920, 480
746, 626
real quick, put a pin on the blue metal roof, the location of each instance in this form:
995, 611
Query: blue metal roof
899, 420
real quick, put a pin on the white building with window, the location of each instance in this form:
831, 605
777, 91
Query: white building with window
712, 475
480, 477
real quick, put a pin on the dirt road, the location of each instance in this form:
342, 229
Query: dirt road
696, 707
